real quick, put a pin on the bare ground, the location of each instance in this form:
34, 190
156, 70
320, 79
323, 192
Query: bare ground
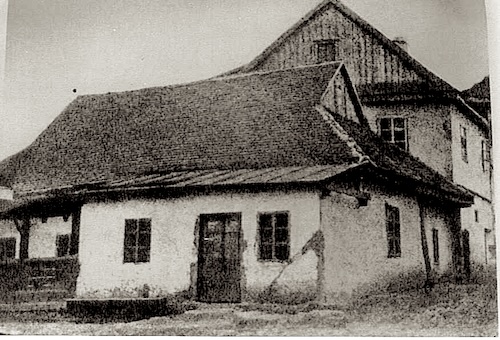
449, 310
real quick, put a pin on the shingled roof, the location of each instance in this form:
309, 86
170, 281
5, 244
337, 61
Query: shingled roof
266, 127
251, 121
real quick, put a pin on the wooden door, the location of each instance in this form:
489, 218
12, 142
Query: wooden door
219, 258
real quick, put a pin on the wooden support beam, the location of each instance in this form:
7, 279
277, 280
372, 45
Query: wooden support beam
75, 231
425, 248
24, 230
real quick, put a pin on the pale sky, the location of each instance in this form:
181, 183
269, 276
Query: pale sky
98, 46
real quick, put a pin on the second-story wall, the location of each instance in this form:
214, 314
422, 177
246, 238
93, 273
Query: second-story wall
468, 170
428, 131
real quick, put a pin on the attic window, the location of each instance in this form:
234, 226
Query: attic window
394, 130
327, 50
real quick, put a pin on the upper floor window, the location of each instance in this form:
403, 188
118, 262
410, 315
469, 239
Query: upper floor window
327, 50
137, 242
274, 236
393, 228
394, 130
485, 155
463, 143
7, 248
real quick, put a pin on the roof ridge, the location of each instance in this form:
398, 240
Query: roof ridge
353, 16
216, 79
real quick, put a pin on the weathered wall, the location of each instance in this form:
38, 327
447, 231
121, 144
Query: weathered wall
42, 241
173, 252
43, 236
479, 238
367, 61
8, 229
470, 174
356, 241
429, 131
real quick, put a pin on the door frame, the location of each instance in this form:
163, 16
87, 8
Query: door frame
202, 224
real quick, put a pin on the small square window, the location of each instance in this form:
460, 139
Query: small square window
327, 50
394, 130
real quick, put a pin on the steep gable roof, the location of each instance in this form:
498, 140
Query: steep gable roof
325, 5
250, 121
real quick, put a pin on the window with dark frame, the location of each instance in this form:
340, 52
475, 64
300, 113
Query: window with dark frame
394, 130
274, 236
435, 245
463, 143
485, 155
62, 244
7, 248
327, 50
393, 228
137, 242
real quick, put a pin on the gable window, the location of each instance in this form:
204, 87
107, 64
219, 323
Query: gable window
394, 130
137, 242
327, 50
274, 236
463, 143
485, 155
393, 228
7, 248
62, 244
435, 245
476, 215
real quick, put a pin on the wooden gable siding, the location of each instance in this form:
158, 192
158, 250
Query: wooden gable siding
367, 60
338, 99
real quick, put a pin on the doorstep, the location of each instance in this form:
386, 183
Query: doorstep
50, 306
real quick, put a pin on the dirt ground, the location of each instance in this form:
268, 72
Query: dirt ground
449, 310
233, 322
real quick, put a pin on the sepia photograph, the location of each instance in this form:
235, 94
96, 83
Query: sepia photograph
248, 168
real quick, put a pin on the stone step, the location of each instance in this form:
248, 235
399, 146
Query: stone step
41, 295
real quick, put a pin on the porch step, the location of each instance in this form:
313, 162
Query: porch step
42, 295
32, 306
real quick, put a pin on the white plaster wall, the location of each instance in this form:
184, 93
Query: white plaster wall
470, 174
103, 273
8, 229
477, 229
356, 241
43, 236
434, 218
429, 134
